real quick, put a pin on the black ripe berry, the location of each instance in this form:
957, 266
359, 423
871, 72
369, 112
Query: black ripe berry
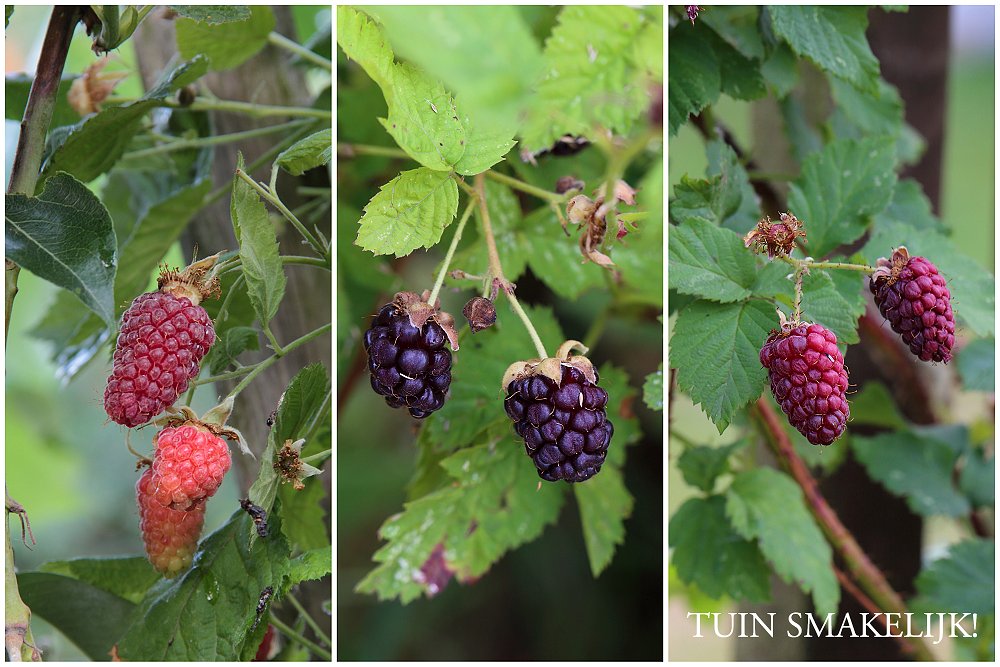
410, 366
564, 427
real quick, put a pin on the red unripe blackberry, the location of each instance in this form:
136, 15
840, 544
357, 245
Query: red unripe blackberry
809, 381
564, 425
163, 338
912, 295
170, 536
410, 365
189, 462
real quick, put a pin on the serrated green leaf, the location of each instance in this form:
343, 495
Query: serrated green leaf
716, 351
962, 581
310, 565
365, 43
484, 146
977, 365
702, 465
652, 390
789, 539
206, 613
128, 578
307, 153
713, 199
832, 37
694, 81
738, 26
839, 190
835, 300
555, 258
740, 76
914, 466
303, 514
740, 208
978, 477
708, 553
585, 87
212, 14
710, 262
604, 503
261, 262
409, 212
65, 236
92, 146
227, 45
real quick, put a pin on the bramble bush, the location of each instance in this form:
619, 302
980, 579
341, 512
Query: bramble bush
821, 235
519, 160
102, 187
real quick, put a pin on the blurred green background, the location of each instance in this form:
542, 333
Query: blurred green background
967, 209
64, 461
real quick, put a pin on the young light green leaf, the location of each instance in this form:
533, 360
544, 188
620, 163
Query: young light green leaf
832, 37
307, 153
65, 236
708, 553
977, 365
364, 42
604, 503
710, 262
716, 351
789, 538
227, 45
212, 14
917, 467
652, 390
262, 268
840, 189
484, 147
409, 212
583, 86
962, 581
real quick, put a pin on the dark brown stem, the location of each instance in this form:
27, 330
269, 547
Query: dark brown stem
867, 604
865, 572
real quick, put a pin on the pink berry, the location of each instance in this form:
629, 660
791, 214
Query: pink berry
170, 536
189, 463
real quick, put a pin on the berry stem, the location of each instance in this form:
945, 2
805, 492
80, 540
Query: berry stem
527, 188
800, 272
812, 264
310, 621
235, 106
299, 50
272, 197
867, 574
470, 207
265, 364
224, 376
353, 150
177, 144
296, 637
495, 273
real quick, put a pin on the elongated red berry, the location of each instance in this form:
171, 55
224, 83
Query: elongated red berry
170, 536
189, 462
912, 295
808, 379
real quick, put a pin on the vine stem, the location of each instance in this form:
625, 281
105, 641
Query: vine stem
310, 621
864, 571
235, 106
451, 249
278, 204
267, 363
296, 637
527, 188
299, 50
843, 266
181, 144
495, 274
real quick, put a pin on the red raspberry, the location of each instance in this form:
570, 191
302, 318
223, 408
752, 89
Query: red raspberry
265, 645
189, 463
913, 297
170, 536
162, 341
808, 379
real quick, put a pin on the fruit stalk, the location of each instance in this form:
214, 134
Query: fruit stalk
867, 574
451, 250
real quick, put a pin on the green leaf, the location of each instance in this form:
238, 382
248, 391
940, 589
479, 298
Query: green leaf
409, 212
639, 257
127, 578
780, 70
605, 503
740, 76
977, 365
694, 81
835, 299
303, 514
582, 87
230, 344
212, 14
92, 146
708, 553
832, 37
227, 45
839, 190
789, 537
702, 465
65, 236
261, 261
206, 613
16, 89
365, 43
484, 147
710, 262
874, 405
963, 581
738, 207
872, 112
716, 351
71, 606
977, 478
307, 153
915, 466
310, 565
738, 26
555, 258
652, 390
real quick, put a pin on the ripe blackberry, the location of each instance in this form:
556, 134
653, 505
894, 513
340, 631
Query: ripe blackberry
164, 336
189, 462
170, 536
808, 379
410, 362
912, 295
563, 424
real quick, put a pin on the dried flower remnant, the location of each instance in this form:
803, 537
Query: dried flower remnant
776, 238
